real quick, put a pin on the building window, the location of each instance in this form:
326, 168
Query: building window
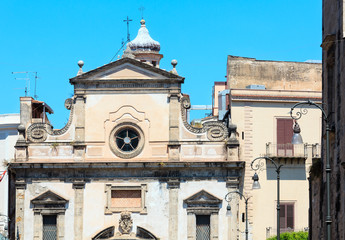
284, 136
202, 227
49, 227
49, 211
287, 214
126, 140
202, 214
121, 198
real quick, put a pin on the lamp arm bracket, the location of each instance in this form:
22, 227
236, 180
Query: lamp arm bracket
260, 165
237, 192
304, 111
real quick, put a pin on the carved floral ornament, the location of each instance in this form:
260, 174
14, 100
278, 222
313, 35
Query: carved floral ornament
216, 130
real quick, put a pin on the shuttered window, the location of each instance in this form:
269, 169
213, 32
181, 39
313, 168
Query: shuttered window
202, 227
284, 136
287, 213
49, 227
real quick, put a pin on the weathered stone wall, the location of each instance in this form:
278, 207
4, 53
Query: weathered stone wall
242, 72
333, 75
167, 187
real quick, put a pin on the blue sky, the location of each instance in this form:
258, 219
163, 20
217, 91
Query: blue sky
49, 37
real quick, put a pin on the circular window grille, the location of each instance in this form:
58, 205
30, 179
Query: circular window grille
126, 140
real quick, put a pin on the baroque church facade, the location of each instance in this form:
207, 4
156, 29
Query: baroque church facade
127, 165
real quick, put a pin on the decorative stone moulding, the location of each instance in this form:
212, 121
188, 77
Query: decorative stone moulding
126, 140
126, 222
38, 132
216, 130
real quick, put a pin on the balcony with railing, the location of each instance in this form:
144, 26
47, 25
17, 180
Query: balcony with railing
293, 151
286, 150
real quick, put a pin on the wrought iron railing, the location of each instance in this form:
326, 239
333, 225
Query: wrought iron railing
316, 150
286, 150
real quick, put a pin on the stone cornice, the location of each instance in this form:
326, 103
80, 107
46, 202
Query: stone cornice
128, 165
274, 95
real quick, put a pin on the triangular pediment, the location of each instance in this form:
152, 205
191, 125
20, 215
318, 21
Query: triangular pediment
202, 197
126, 69
49, 197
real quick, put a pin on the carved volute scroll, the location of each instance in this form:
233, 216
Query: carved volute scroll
38, 132
216, 130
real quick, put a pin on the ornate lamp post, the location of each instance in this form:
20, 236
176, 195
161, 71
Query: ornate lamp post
256, 185
228, 208
297, 131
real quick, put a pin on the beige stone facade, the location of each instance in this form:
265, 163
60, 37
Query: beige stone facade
260, 97
333, 99
127, 165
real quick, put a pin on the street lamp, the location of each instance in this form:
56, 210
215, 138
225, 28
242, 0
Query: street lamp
256, 185
228, 208
299, 114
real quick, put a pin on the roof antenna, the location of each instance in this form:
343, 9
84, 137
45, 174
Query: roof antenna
27, 82
128, 35
36, 77
141, 9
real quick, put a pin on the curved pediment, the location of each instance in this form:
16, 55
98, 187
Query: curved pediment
109, 234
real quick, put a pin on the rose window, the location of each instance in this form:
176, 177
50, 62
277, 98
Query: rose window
127, 140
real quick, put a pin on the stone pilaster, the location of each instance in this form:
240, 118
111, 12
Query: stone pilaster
78, 209
232, 184
61, 226
174, 113
214, 225
173, 186
38, 225
191, 226
79, 111
20, 208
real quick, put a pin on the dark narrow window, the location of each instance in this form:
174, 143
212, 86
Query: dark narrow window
49, 227
154, 63
284, 136
202, 227
287, 217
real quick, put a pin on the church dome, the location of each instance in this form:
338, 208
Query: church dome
143, 41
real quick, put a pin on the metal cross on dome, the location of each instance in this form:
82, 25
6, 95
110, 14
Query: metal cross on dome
128, 35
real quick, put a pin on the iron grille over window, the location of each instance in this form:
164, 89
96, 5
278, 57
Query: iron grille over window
49, 227
127, 139
202, 227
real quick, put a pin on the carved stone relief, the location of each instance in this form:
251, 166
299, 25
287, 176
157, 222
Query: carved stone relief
125, 223
216, 130
38, 132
